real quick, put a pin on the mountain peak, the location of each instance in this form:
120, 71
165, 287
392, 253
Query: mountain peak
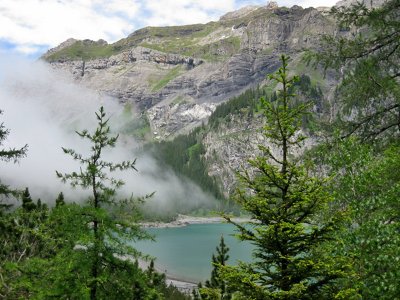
240, 13
67, 43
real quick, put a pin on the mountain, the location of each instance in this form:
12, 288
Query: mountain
175, 78
177, 75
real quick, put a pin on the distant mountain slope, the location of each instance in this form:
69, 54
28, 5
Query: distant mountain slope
176, 75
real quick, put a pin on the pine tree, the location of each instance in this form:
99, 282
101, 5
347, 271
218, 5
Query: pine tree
107, 237
285, 201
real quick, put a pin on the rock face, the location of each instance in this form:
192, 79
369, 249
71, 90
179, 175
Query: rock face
229, 148
286, 31
167, 119
164, 71
367, 3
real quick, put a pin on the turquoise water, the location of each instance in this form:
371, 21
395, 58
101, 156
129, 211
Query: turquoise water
185, 252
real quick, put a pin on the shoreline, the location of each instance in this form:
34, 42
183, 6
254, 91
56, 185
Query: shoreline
185, 220
181, 284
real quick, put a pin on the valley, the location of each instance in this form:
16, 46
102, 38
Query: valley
254, 156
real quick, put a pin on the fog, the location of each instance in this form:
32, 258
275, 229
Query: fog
43, 108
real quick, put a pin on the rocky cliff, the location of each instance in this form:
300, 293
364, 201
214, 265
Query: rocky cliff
176, 76
166, 71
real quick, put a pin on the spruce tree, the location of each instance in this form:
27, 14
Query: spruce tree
27, 202
285, 202
216, 284
220, 258
60, 199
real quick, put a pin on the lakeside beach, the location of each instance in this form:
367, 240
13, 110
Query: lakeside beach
184, 220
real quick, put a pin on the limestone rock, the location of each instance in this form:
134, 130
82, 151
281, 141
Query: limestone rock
244, 46
367, 3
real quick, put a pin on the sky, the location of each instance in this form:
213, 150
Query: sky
30, 27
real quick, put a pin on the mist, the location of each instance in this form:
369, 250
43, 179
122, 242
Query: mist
43, 108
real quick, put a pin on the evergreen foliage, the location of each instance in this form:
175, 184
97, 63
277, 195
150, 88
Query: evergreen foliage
79, 251
185, 153
241, 104
366, 182
185, 156
105, 239
302, 251
7, 155
27, 202
20, 243
364, 175
60, 199
216, 287
285, 202
369, 61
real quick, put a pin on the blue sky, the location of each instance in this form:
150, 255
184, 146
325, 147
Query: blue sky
30, 27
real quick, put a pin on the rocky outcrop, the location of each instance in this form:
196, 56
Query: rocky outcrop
178, 90
138, 54
63, 45
236, 54
229, 148
168, 120
286, 30
367, 3
240, 13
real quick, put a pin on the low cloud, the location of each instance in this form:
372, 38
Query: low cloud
42, 108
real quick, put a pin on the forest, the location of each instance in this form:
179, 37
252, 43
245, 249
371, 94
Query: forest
325, 224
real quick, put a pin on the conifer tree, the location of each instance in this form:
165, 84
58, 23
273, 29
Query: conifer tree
7, 155
27, 202
107, 236
216, 284
367, 54
60, 200
285, 201
220, 258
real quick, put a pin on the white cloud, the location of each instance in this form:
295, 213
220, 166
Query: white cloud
128, 8
33, 24
27, 49
49, 22
42, 108
176, 12
316, 3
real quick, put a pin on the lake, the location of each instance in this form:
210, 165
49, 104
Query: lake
185, 252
